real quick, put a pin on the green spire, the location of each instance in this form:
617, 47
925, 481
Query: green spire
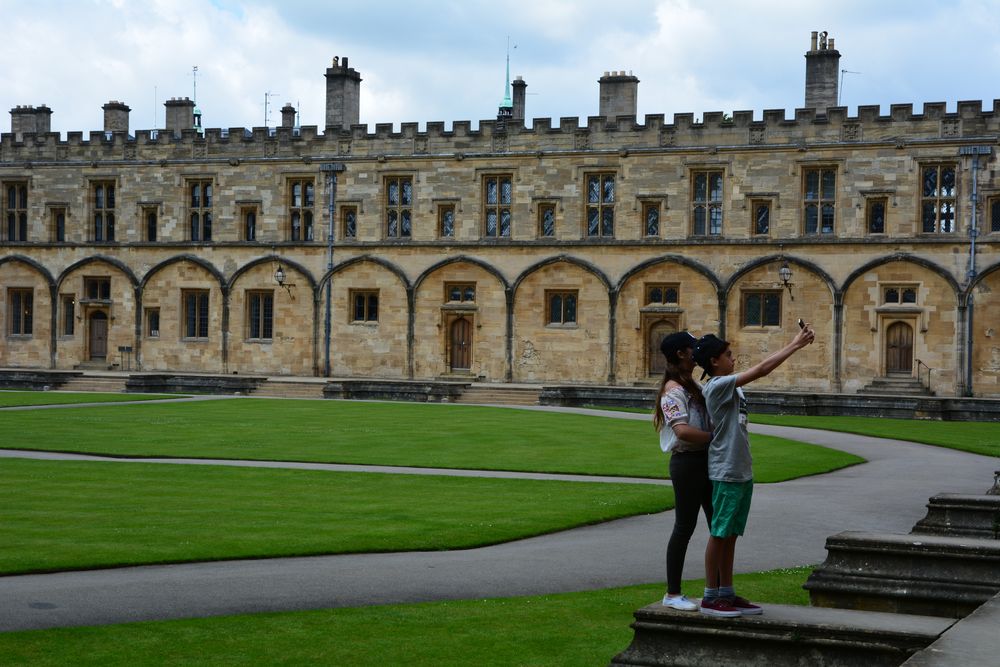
506, 92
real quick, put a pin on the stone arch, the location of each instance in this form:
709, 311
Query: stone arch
902, 257
44, 272
983, 308
791, 259
576, 261
117, 263
393, 268
640, 324
442, 344
208, 266
299, 268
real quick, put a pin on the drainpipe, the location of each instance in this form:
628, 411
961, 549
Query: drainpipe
613, 302
975, 152
838, 340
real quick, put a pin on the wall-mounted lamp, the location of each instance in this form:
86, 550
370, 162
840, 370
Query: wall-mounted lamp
279, 277
785, 273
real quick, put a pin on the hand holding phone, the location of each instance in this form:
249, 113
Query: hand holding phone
802, 325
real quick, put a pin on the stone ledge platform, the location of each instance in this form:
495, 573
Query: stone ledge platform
961, 515
783, 635
909, 574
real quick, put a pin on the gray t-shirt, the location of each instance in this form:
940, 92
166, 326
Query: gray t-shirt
729, 457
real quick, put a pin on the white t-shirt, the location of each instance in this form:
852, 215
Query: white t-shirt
678, 408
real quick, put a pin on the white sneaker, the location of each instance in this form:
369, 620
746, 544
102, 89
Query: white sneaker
679, 602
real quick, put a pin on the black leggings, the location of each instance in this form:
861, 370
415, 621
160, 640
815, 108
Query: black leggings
692, 490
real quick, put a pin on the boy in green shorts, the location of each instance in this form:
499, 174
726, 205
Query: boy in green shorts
729, 464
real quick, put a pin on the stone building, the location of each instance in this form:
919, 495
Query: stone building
550, 253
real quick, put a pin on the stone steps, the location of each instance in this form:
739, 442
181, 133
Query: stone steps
499, 395
282, 389
896, 386
913, 574
783, 635
95, 383
961, 516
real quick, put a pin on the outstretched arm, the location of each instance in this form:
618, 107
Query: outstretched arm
804, 337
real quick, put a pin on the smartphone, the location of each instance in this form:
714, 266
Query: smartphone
802, 325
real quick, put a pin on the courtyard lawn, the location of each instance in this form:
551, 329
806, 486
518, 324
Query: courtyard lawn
400, 434
975, 437
570, 629
60, 515
9, 399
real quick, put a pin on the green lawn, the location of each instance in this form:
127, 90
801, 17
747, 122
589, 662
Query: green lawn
10, 399
975, 437
67, 514
408, 434
570, 629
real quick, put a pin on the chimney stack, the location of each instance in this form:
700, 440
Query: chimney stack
619, 94
22, 121
288, 115
822, 70
343, 94
116, 116
179, 114
518, 86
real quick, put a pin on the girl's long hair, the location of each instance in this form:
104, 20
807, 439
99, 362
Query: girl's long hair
673, 372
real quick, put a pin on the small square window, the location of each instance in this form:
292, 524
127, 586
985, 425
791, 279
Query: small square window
460, 292
364, 305
546, 219
762, 308
899, 294
662, 294
561, 308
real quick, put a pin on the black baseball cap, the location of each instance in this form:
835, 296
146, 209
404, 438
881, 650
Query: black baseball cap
708, 347
675, 342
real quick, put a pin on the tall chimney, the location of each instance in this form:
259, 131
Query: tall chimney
43, 119
116, 116
619, 94
179, 114
822, 70
343, 95
288, 115
22, 121
518, 86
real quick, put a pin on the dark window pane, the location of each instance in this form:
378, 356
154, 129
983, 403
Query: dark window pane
195, 227
392, 229
812, 184
700, 187
909, 295
670, 295
469, 294
930, 182
372, 307
555, 309
947, 181
829, 183
751, 310
549, 221
491, 191
928, 216
715, 224
609, 189
812, 214
772, 310
876, 220
455, 294
405, 226
393, 193
359, 307
505, 222
569, 308
699, 220
592, 221
206, 232
505, 192
407, 192
608, 222
98, 197
762, 219
491, 223
308, 217
947, 217
448, 222
715, 184
652, 221
593, 190
351, 228
268, 323
892, 295
655, 295
827, 219
309, 194
995, 216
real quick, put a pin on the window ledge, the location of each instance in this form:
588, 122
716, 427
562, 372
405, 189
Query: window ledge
661, 308
556, 325
899, 308
194, 340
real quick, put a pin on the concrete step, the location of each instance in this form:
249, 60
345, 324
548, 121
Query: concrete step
961, 515
90, 383
782, 635
971, 641
492, 394
912, 574
896, 386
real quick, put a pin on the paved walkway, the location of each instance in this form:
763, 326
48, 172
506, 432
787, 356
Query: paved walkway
788, 527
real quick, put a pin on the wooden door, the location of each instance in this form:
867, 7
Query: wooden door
461, 344
899, 349
98, 335
657, 332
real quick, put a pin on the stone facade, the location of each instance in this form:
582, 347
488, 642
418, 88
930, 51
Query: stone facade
267, 203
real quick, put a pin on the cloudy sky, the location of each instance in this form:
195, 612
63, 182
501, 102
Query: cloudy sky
424, 60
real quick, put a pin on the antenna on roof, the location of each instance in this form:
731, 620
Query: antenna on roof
840, 90
267, 107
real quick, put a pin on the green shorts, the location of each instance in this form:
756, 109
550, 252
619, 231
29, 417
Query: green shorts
730, 507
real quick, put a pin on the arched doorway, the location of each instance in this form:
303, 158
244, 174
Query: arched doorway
657, 332
461, 344
98, 335
899, 349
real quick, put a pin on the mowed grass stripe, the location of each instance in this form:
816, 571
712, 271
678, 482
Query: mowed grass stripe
11, 399
72, 515
569, 629
401, 434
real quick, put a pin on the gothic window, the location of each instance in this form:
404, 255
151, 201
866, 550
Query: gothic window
938, 198
149, 220
67, 303
819, 190
194, 304
761, 308
16, 211
875, 215
200, 210
446, 221
547, 220
497, 198
651, 218
560, 308
58, 224
260, 315
249, 217
349, 222
761, 223
103, 206
97, 289
398, 207
706, 198
600, 204
899, 294
152, 322
300, 209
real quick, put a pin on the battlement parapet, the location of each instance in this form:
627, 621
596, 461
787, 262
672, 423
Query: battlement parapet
774, 127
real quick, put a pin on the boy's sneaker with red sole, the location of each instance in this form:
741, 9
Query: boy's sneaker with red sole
745, 607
